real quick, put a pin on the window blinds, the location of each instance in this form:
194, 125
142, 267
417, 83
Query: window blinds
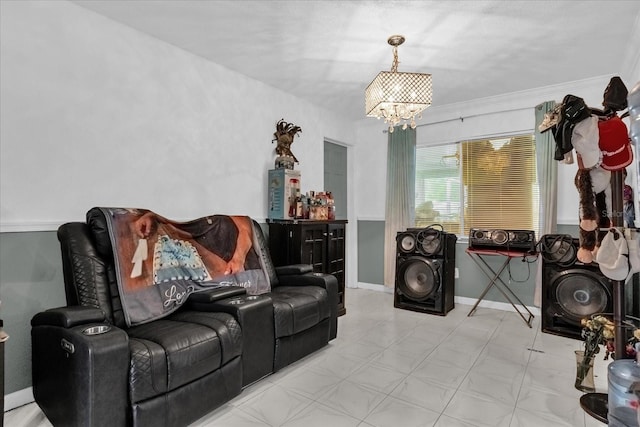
489, 183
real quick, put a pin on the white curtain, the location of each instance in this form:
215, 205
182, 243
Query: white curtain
400, 200
547, 169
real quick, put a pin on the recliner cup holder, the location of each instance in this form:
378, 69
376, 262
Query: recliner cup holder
96, 330
244, 299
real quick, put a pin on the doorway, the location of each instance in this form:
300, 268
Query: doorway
335, 176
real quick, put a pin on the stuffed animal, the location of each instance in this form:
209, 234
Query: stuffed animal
588, 216
601, 142
594, 207
593, 185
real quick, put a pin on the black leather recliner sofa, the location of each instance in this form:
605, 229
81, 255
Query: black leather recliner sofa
90, 369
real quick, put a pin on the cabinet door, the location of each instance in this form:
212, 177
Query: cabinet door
336, 259
313, 246
336, 250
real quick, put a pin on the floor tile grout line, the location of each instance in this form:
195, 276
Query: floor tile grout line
465, 377
389, 394
515, 406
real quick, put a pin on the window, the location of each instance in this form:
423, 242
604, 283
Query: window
488, 183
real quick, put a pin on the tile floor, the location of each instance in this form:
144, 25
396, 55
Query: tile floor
392, 367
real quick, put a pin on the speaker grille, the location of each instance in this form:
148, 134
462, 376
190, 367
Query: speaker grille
579, 295
419, 278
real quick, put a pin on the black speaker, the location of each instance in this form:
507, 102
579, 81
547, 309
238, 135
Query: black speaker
497, 239
425, 270
571, 290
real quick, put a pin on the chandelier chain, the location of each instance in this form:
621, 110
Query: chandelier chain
394, 65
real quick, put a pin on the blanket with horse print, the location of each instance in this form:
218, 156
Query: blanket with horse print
160, 262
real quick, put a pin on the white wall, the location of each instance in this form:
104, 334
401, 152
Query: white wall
96, 113
511, 113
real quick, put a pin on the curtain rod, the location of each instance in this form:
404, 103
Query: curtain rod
461, 118
474, 115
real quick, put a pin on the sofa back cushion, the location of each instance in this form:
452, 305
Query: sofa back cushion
265, 255
89, 277
99, 230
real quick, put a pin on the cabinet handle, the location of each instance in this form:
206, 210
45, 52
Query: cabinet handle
324, 234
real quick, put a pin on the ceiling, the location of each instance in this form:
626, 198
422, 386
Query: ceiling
328, 51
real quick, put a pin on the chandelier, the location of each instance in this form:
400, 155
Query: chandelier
398, 97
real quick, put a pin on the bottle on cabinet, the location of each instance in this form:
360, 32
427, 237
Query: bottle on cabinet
321, 206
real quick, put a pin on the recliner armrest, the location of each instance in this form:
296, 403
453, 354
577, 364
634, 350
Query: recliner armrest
325, 281
88, 364
68, 317
199, 300
288, 270
309, 279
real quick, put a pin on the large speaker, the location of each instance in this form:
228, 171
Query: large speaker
425, 270
498, 239
571, 290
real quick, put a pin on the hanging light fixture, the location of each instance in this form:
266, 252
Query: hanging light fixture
398, 97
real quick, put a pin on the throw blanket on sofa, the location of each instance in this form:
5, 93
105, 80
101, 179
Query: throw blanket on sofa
160, 262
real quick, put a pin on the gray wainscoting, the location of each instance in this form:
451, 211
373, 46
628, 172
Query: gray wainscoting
30, 281
371, 252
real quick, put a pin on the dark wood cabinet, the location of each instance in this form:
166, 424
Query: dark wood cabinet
319, 243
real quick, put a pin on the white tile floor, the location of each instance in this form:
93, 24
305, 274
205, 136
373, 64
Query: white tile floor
392, 367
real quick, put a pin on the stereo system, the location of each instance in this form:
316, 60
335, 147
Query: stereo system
498, 239
425, 270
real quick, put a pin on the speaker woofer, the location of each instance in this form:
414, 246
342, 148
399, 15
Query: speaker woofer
580, 294
418, 278
519, 237
500, 237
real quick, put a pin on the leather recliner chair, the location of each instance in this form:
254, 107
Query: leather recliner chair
90, 369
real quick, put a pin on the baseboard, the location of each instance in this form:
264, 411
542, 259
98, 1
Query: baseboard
18, 398
374, 287
496, 305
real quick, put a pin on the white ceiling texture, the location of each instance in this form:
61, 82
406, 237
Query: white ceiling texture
328, 51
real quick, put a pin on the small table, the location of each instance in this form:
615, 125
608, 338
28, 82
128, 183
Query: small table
477, 255
595, 404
